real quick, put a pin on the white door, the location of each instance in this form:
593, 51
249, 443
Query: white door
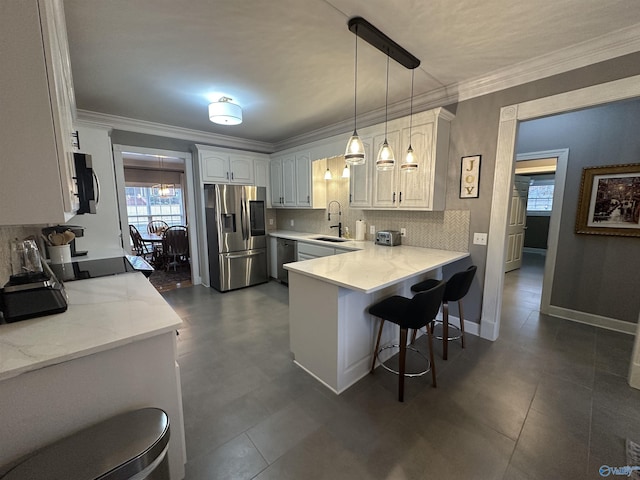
517, 223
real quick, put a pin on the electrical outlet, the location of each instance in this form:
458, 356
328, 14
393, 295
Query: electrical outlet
271, 221
403, 232
292, 222
372, 229
479, 238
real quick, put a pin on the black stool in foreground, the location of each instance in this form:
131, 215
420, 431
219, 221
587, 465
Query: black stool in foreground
414, 313
457, 287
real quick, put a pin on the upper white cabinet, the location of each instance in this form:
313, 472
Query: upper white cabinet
261, 175
39, 106
219, 165
361, 178
297, 182
423, 189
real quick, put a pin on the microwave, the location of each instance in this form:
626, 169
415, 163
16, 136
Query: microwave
87, 185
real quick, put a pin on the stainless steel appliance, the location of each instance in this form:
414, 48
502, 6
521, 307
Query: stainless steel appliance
287, 253
390, 238
236, 235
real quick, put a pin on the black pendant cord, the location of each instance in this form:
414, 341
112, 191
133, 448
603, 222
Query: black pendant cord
411, 108
355, 89
386, 103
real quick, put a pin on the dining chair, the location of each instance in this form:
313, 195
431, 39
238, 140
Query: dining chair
175, 246
139, 247
157, 226
408, 313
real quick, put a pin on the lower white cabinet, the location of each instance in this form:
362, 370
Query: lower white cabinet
307, 251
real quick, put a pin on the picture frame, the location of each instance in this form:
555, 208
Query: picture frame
470, 176
609, 202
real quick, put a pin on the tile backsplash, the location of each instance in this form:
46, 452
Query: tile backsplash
7, 234
447, 230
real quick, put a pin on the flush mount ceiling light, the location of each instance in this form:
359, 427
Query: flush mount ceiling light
379, 40
223, 112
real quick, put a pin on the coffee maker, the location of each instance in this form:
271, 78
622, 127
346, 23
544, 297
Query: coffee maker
33, 289
77, 230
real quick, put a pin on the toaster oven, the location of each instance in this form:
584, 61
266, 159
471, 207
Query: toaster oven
390, 238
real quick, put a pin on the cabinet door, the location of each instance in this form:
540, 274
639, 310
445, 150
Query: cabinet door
384, 182
261, 176
303, 180
215, 167
416, 187
360, 183
241, 170
289, 181
277, 192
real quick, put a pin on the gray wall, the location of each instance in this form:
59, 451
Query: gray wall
594, 273
475, 131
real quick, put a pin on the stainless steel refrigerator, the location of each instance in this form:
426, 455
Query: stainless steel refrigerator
236, 235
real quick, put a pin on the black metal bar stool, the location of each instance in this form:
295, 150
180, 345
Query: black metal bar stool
457, 287
408, 313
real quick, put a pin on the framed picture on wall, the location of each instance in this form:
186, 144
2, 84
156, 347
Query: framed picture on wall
470, 176
609, 202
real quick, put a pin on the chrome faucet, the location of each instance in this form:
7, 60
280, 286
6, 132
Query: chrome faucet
339, 225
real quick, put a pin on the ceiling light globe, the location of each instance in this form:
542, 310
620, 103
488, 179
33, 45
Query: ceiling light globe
386, 160
223, 112
354, 154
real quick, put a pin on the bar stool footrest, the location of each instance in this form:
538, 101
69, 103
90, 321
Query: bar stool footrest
407, 375
457, 336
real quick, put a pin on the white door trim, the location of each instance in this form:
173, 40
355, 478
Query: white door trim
189, 198
503, 177
554, 222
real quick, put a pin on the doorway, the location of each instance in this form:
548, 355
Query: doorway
510, 116
183, 212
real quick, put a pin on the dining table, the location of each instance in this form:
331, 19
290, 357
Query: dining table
155, 241
151, 238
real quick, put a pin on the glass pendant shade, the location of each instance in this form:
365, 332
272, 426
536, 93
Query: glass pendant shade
223, 112
354, 155
346, 173
410, 164
163, 190
386, 160
327, 175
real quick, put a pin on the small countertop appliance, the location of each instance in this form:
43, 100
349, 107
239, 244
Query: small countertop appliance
389, 238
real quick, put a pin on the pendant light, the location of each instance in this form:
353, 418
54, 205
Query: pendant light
163, 190
354, 154
410, 164
327, 174
346, 172
385, 160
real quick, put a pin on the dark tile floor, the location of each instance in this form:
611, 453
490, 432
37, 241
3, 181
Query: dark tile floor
547, 400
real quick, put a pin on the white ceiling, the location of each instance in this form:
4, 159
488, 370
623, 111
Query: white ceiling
290, 63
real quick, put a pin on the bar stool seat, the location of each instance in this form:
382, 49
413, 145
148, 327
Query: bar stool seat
408, 313
457, 288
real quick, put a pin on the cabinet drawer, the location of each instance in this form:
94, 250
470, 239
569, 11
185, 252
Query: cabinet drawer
315, 250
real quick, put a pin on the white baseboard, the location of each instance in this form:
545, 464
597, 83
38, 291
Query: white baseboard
591, 319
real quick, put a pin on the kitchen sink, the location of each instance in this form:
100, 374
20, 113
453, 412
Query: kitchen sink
330, 239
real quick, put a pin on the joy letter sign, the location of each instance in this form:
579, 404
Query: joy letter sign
470, 177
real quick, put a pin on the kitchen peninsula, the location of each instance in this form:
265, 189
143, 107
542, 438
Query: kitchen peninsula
331, 332
112, 351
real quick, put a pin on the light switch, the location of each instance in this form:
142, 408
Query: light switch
479, 238
292, 222
271, 221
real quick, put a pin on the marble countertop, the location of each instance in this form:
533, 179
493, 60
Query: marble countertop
371, 267
309, 238
103, 313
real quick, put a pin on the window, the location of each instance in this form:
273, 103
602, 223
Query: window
143, 207
540, 194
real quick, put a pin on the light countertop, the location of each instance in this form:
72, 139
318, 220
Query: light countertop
369, 267
103, 313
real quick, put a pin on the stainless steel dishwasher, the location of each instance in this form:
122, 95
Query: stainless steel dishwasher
287, 253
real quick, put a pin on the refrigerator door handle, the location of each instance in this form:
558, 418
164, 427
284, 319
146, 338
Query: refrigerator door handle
242, 255
243, 214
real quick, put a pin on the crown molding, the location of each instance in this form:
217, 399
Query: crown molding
606, 47
150, 128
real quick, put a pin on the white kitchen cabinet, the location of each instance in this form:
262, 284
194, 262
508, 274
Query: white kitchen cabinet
303, 179
261, 176
361, 179
224, 166
423, 189
297, 182
307, 251
38, 104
